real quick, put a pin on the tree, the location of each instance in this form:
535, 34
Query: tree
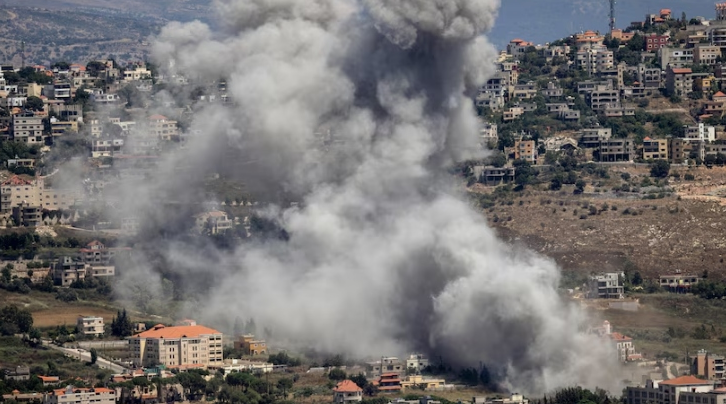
34, 103
660, 168
94, 356
94, 67
337, 374
359, 379
579, 187
556, 184
121, 325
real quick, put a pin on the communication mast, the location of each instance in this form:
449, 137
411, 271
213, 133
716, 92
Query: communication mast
721, 11
612, 15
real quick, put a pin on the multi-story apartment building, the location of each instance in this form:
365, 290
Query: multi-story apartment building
525, 150
602, 97
251, 346
595, 59
655, 149
654, 41
678, 283
68, 270
97, 254
552, 90
705, 54
106, 147
708, 365
675, 57
389, 364
591, 138
16, 191
684, 390
178, 346
417, 363
606, 286
699, 132
679, 81
650, 77
74, 395
27, 215
347, 392
616, 150
90, 325
28, 129
163, 128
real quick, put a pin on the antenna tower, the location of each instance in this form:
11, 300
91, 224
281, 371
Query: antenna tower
612, 15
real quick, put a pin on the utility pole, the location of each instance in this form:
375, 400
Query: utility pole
612, 15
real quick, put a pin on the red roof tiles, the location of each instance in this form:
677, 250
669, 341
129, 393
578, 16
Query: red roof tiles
685, 381
186, 331
347, 386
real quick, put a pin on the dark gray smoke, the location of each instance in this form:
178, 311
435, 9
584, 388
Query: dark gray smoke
355, 109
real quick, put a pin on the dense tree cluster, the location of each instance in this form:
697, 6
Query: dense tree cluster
14, 320
121, 325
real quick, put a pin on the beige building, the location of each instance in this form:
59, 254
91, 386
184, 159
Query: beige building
163, 128
655, 149
90, 325
673, 391
425, 383
251, 346
28, 129
708, 365
705, 54
180, 346
17, 190
679, 81
525, 150
74, 395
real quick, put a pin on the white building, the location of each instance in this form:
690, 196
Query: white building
74, 395
417, 362
90, 325
700, 132
347, 392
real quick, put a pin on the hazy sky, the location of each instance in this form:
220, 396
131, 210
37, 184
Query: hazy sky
553, 19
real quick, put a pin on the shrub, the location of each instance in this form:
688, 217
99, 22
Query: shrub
689, 177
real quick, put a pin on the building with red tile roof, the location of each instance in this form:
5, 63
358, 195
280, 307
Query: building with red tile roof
75, 395
178, 346
347, 391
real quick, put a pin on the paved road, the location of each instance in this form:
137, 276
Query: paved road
83, 355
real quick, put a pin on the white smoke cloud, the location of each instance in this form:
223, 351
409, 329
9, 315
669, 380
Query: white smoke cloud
383, 255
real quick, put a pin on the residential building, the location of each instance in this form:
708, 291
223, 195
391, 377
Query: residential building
517, 47
675, 57
523, 91
74, 395
649, 77
678, 282
623, 345
20, 373
512, 399
90, 325
388, 383
28, 129
588, 39
242, 365
49, 380
67, 270
106, 147
488, 133
97, 254
423, 383
180, 346
602, 97
615, 73
525, 150
27, 215
163, 128
68, 112
512, 114
654, 41
347, 392
699, 132
417, 363
595, 60
717, 35
616, 150
606, 286
591, 138
588, 86
251, 346
214, 222
552, 90
18, 190
714, 149
387, 365
682, 150
655, 149
679, 81
492, 176
708, 365
59, 128
705, 54
138, 73
703, 82
670, 391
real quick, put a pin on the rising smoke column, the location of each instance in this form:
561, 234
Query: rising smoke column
383, 257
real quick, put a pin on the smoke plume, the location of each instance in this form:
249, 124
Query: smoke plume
355, 109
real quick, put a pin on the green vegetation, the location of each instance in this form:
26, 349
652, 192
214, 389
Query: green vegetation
14, 320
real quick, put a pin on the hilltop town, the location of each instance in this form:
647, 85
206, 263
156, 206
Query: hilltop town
605, 152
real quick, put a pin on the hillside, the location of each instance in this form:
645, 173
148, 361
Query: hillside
75, 36
606, 230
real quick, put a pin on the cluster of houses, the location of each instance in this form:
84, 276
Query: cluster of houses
614, 91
